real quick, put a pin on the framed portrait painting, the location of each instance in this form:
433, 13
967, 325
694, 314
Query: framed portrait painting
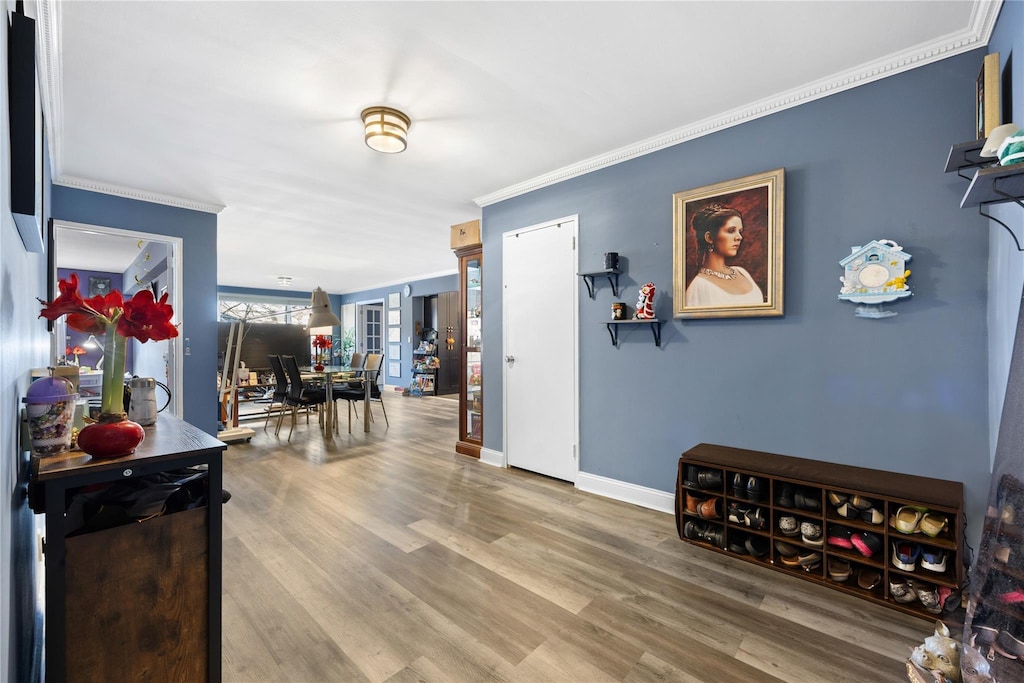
727, 251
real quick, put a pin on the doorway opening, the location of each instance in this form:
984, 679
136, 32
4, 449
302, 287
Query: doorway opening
107, 259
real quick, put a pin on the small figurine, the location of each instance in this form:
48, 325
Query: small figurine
645, 303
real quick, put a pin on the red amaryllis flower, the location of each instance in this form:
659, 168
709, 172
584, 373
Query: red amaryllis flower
145, 318
69, 301
321, 341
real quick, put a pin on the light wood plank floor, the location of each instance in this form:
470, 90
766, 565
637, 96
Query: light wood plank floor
388, 557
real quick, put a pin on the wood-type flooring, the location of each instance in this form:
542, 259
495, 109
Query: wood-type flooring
389, 557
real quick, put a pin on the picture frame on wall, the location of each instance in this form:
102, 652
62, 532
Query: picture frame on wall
988, 107
727, 248
395, 317
394, 300
394, 369
394, 335
394, 352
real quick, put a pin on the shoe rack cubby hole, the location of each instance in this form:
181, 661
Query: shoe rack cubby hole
820, 486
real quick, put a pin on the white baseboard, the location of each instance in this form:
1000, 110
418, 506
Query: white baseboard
493, 458
652, 499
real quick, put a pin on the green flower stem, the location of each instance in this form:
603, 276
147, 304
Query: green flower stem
114, 350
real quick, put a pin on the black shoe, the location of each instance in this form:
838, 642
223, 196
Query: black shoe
715, 535
691, 477
808, 499
694, 530
709, 479
785, 498
739, 485
736, 545
757, 489
757, 546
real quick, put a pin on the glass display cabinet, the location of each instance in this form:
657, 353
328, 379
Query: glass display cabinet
471, 407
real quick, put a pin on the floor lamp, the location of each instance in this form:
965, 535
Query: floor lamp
320, 316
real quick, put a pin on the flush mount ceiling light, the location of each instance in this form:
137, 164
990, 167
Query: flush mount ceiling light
284, 281
386, 129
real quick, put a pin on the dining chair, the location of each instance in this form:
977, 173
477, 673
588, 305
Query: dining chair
298, 395
355, 395
280, 392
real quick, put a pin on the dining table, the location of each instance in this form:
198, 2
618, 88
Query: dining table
328, 374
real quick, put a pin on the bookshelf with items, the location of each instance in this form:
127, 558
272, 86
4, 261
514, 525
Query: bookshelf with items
425, 364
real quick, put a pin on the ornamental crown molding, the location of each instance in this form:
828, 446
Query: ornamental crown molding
977, 34
50, 72
141, 195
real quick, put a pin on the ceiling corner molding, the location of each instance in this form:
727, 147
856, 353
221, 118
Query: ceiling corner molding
48, 33
977, 34
141, 195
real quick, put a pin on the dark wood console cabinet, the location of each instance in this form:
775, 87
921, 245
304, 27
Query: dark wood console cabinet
140, 601
890, 492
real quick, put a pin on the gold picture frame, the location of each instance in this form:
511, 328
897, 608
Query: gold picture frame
733, 268
987, 113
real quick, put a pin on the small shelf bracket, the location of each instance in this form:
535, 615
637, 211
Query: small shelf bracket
613, 329
613, 280
1006, 197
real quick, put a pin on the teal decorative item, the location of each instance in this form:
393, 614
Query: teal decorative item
875, 274
1011, 151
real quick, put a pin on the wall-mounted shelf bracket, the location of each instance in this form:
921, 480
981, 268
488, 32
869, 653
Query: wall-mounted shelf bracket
966, 155
611, 274
613, 329
1007, 227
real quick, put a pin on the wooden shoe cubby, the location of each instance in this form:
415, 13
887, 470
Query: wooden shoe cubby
889, 491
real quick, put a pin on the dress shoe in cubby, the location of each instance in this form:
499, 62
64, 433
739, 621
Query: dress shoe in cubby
757, 489
784, 497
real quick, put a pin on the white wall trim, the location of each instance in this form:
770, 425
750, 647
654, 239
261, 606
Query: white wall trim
492, 458
983, 20
652, 499
141, 195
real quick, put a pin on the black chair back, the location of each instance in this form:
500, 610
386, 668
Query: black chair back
280, 378
291, 369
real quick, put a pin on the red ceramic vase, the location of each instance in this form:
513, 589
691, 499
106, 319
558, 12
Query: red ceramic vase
114, 436
319, 367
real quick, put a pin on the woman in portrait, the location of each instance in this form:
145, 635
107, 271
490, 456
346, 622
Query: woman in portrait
718, 232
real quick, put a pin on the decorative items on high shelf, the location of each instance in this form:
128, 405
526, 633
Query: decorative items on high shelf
893, 539
141, 317
610, 271
875, 274
999, 171
471, 411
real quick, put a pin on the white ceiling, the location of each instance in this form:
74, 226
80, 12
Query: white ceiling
254, 106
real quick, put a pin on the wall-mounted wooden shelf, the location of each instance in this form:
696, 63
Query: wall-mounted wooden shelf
613, 279
965, 155
994, 185
613, 329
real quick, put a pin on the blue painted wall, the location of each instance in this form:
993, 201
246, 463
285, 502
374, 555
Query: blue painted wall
420, 288
198, 231
906, 394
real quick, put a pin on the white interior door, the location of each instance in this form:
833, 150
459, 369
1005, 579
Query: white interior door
540, 345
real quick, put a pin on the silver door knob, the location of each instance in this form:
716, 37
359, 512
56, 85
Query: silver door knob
510, 359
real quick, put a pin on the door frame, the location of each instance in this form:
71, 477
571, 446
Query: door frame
176, 264
575, 341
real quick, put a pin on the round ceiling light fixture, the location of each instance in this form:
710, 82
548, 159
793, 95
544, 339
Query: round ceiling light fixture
387, 129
